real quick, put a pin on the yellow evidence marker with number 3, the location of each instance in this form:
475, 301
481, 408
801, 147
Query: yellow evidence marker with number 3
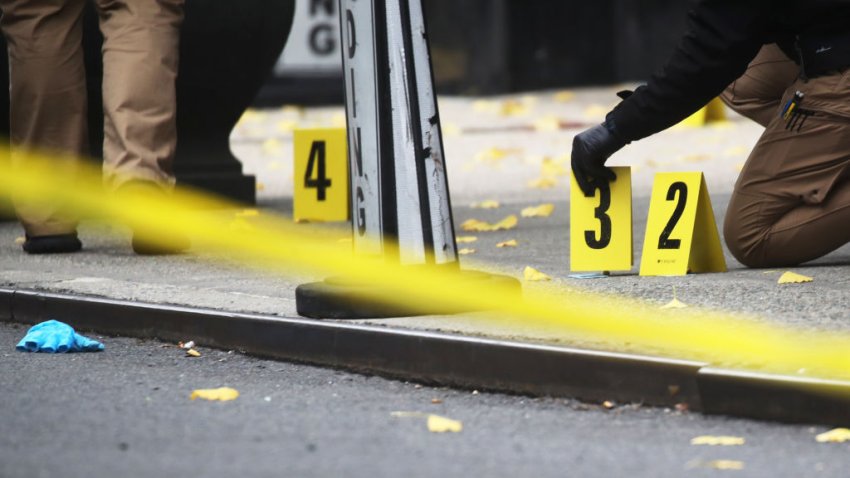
601, 226
321, 175
681, 233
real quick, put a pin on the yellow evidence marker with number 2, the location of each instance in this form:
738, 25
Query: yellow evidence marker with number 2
601, 226
681, 233
321, 175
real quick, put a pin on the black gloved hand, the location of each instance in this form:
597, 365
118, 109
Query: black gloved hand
590, 151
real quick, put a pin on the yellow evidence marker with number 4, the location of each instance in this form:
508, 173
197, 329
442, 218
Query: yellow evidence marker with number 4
601, 226
321, 175
681, 233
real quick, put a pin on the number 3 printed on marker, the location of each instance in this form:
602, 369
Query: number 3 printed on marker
600, 213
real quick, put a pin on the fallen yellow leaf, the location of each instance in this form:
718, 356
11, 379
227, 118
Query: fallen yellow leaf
261, 186
794, 278
438, 424
552, 167
506, 224
717, 440
466, 251
543, 183
474, 225
451, 129
595, 111
533, 275
511, 243
489, 204
543, 210
838, 435
465, 239
20, 240
514, 108
193, 353
675, 304
224, 394
726, 464
493, 155
564, 96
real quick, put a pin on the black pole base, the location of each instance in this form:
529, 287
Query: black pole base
338, 298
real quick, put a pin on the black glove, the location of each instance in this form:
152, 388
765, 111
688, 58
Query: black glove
590, 151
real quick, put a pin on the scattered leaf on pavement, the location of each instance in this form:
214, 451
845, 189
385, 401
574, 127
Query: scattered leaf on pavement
466, 251
608, 404
436, 401
543, 183
675, 304
510, 243
193, 353
20, 240
794, 278
514, 108
554, 167
564, 96
718, 440
438, 424
489, 204
838, 435
224, 394
465, 239
726, 464
543, 210
474, 225
533, 275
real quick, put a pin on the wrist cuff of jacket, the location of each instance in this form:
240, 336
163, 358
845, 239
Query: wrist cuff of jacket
612, 128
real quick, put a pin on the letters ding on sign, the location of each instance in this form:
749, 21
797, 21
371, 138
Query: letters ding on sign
681, 232
601, 226
321, 176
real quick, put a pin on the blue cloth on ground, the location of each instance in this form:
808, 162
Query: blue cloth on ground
56, 337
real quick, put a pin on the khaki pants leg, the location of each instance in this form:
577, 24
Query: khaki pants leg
757, 93
791, 203
48, 96
140, 58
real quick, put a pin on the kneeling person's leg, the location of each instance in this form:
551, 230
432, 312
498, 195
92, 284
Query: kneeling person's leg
792, 201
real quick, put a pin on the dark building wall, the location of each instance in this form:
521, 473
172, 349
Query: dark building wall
500, 46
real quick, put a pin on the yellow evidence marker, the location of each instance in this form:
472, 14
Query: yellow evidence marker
321, 175
681, 234
601, 226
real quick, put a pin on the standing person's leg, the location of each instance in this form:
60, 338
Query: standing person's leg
48, 106
140, 59
757, 93
792, 201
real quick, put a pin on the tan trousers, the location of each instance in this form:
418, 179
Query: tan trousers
791, 203
48, 92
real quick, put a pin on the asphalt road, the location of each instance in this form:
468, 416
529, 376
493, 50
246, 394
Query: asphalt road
126, 412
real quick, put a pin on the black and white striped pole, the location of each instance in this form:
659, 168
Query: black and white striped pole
400, 202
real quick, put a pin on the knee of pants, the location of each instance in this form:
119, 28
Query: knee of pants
746, 245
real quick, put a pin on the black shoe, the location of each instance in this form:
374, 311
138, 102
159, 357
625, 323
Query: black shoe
145, 245
57, 244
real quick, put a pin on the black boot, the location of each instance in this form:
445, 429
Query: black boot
56, 244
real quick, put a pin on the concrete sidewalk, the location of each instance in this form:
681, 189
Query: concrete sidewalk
495, 148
